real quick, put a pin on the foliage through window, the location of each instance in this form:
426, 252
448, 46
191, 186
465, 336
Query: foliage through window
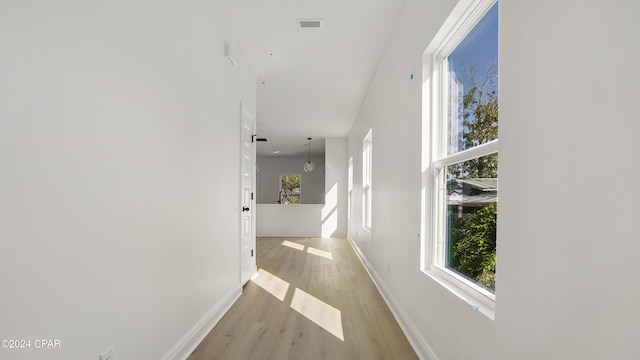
471, 186
471, 208
289, 189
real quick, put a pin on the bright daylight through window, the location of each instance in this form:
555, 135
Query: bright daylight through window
463, 118
289, 189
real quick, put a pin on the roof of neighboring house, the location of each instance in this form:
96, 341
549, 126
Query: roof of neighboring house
458, 199
488, 187
484, 184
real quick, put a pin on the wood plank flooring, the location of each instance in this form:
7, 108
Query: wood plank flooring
330, 309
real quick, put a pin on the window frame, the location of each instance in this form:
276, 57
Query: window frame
458, 25
367, 161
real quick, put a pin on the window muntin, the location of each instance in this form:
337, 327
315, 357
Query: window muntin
366, 180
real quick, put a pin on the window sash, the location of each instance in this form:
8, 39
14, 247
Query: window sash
440, 196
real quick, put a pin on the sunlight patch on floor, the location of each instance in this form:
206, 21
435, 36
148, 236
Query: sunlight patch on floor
318, 252
321, 313
293, 245
271, 283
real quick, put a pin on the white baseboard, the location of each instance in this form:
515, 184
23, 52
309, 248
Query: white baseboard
192, 339
303, 236
419, 344
291, 235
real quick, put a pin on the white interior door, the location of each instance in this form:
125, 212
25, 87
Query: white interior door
247, 202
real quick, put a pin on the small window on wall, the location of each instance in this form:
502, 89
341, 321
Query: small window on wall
289, 189
463, 118
367, 160
350, 188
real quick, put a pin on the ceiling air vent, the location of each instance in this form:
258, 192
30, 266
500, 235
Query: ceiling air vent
310, 23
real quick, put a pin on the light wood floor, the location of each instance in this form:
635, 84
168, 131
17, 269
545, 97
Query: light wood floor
324, 301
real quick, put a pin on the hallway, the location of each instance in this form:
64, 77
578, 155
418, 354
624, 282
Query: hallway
312, 299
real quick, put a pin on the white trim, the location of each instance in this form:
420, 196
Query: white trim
478, 298
460, 22
188, 343
318, 235
418, 343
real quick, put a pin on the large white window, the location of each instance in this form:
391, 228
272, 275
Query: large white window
366, 180
461, 114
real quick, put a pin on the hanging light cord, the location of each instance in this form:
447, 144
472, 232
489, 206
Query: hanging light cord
309, 166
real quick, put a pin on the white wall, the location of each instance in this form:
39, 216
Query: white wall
294, 220
271, 167
334, 213
567, 284
568, 278
119, 138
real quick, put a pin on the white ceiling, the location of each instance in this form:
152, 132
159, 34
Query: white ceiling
310, 81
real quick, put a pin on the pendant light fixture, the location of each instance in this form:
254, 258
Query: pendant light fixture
309, 165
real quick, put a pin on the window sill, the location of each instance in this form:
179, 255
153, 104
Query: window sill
478, 298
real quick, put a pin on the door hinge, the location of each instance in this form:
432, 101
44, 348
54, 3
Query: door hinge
253, 138
251, 252
251, 196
